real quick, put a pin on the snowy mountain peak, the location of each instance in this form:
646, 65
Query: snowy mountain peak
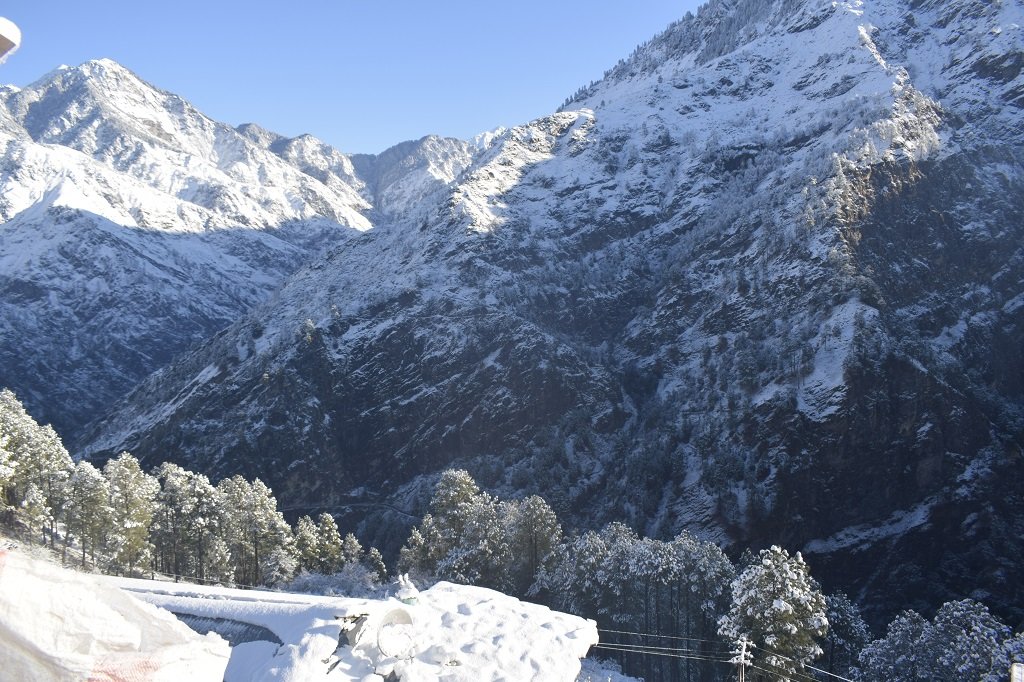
141, 226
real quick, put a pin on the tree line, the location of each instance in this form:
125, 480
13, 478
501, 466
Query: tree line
669, 610
680, 609
123, 520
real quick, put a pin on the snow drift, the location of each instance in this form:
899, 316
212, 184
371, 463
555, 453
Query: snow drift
449, 632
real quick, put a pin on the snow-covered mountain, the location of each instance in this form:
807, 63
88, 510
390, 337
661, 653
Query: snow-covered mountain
763, 281
135, 227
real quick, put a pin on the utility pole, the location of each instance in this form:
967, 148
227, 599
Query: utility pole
742, 656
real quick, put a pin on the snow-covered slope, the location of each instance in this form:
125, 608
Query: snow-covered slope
135, 227
59, 625
762, 281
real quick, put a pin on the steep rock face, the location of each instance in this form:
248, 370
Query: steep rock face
762, 281
135, 227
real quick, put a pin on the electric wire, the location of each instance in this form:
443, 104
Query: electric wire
799, 677
639, 648
649, 634
644, 647
607, 647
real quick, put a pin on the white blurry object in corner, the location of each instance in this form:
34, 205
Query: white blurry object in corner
59, 625
10, 38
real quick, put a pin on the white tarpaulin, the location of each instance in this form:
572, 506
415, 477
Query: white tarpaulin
58, 625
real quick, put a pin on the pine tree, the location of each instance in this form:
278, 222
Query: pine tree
87, 512
536, 533
306, 544
898, 656
847, 636
35, 514
415, 558
351, 550
968, 638
169, 527
1011, 651
465, 536
30, 455
777, 606
374, 562
963, 642
132, 501
329, 545
257, 536
573, 578
187, 526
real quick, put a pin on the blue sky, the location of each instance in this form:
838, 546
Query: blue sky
361, 75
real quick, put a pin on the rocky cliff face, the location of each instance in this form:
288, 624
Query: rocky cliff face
135, 227
763, 281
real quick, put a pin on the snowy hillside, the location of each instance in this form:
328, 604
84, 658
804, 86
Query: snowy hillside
762, 282
135, 227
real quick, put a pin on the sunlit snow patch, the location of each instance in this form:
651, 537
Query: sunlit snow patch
449, 632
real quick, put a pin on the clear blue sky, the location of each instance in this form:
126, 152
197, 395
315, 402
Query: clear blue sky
361, 75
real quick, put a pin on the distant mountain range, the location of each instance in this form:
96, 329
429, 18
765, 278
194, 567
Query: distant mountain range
764, 281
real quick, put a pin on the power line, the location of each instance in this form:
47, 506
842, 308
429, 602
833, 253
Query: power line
707, 659
643, 647
825, 672
650, 634
793, 675
806, 665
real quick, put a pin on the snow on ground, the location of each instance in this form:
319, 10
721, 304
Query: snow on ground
822, 391
449, 632
59, 625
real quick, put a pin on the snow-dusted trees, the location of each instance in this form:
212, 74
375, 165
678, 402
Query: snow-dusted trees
257, 536
457, 540
306, 544
187, 524
174, 521
847, 636
132, 505
535, 534
35, 514
87, 513
777, 606
328, 545
963, 642
662, 589
897, 656
34, 466
471, 537
330, 564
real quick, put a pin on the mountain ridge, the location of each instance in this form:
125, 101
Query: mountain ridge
136, 227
